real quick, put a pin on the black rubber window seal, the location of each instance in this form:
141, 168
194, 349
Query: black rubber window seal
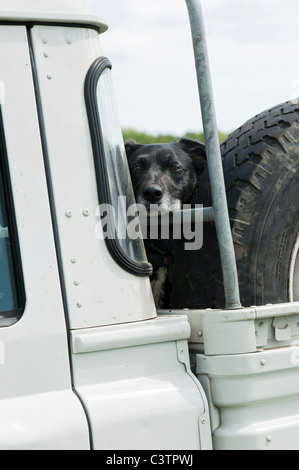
141, 269
15, 314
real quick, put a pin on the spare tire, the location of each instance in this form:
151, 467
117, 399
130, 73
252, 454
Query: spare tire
261, 163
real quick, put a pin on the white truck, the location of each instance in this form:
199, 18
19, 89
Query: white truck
86, 361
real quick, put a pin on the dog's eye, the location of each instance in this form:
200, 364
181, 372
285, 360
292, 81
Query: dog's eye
136, 168
175, 168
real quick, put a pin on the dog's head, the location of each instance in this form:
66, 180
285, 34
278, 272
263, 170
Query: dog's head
165, 174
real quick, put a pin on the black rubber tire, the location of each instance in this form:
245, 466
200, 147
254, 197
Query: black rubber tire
261, 163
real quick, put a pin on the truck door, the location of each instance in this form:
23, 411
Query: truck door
38, 408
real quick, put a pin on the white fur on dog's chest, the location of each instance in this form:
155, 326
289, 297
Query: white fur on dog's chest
158, 286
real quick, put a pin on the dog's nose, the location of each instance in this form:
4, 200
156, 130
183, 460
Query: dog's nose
153, 194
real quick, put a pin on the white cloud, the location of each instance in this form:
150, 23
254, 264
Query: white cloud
253, 48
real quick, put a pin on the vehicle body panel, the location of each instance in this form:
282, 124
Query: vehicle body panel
136, 383
248, 363
34, 372
61, 76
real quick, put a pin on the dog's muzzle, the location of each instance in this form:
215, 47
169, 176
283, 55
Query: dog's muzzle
153, 194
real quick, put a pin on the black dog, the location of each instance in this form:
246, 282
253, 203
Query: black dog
164, 177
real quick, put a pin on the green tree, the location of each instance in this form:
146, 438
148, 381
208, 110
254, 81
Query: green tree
144, 138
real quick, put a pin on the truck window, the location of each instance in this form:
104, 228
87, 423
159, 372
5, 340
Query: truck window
10, 286
116, 197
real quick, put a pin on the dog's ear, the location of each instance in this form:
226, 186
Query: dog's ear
131, 147
197, 151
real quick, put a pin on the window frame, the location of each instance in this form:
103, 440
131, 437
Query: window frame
9, 318
140, 269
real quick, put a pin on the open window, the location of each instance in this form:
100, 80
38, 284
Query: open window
115, 190
11, 281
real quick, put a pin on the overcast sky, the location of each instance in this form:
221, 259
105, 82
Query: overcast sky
254, 58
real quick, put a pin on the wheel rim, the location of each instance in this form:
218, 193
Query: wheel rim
294, 273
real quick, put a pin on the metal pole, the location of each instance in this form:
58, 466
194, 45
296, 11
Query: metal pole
220, 208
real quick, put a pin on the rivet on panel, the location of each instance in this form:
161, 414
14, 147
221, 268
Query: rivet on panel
263, 362
49, 76
68, 40
77, 282
44, 40
74, 260
69, 213
79, 305
46, 54
86, 212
